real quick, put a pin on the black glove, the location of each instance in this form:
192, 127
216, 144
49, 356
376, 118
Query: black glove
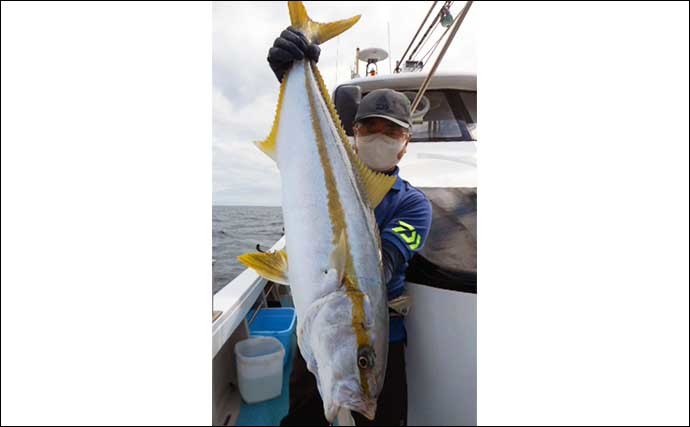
290, 46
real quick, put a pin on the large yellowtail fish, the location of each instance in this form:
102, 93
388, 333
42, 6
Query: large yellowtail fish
332, 259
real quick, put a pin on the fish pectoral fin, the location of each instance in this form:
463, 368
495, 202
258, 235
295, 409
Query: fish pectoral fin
315, 31
376, 184
270, 265
338, 259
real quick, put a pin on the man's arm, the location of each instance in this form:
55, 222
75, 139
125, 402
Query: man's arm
393, 260
405, 234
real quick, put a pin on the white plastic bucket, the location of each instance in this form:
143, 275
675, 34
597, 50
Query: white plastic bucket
259, 368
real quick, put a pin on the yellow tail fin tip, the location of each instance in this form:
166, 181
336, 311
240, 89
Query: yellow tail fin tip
317, 32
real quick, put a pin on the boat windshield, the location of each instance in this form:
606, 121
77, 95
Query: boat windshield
445, 115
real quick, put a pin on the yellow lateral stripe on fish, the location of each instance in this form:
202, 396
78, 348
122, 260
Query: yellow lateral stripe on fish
374, 184
339, 225
335, 207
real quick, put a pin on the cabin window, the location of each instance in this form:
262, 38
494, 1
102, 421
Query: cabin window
444, 115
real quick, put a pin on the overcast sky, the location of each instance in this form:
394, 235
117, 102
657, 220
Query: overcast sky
245, 91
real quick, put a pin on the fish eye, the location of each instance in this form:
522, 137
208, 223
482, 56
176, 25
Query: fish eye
365, 358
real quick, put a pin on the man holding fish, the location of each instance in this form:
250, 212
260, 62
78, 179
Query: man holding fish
346, 263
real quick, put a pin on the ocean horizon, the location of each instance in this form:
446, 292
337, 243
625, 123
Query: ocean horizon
238, 229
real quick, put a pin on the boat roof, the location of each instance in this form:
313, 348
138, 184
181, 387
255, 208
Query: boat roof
413, 80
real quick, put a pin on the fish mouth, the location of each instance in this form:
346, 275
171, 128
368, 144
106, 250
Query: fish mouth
364, 407
348, 399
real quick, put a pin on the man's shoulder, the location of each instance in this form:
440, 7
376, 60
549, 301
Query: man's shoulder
414, 197
413, 192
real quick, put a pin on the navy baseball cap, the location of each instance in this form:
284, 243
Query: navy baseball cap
387, 104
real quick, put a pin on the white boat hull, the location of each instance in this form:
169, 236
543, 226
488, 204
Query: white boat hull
441, 357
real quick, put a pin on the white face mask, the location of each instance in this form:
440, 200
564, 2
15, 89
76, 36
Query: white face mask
379, 151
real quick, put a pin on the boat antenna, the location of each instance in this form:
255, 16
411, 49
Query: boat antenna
397, 64
357, 61
389, 47
456, 26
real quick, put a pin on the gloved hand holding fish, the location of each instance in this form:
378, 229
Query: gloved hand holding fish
332, 259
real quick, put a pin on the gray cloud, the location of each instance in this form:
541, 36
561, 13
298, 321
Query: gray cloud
245, 90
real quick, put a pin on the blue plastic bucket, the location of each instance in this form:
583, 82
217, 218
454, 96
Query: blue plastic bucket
275, 322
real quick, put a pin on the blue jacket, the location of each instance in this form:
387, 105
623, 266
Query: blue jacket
404, 220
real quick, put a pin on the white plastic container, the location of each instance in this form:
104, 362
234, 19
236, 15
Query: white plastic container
259, 368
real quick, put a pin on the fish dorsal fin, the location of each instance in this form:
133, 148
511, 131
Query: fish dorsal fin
268, 145
376, 184
270, 265
314, 31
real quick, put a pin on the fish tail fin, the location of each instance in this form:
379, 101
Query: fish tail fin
317, 32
